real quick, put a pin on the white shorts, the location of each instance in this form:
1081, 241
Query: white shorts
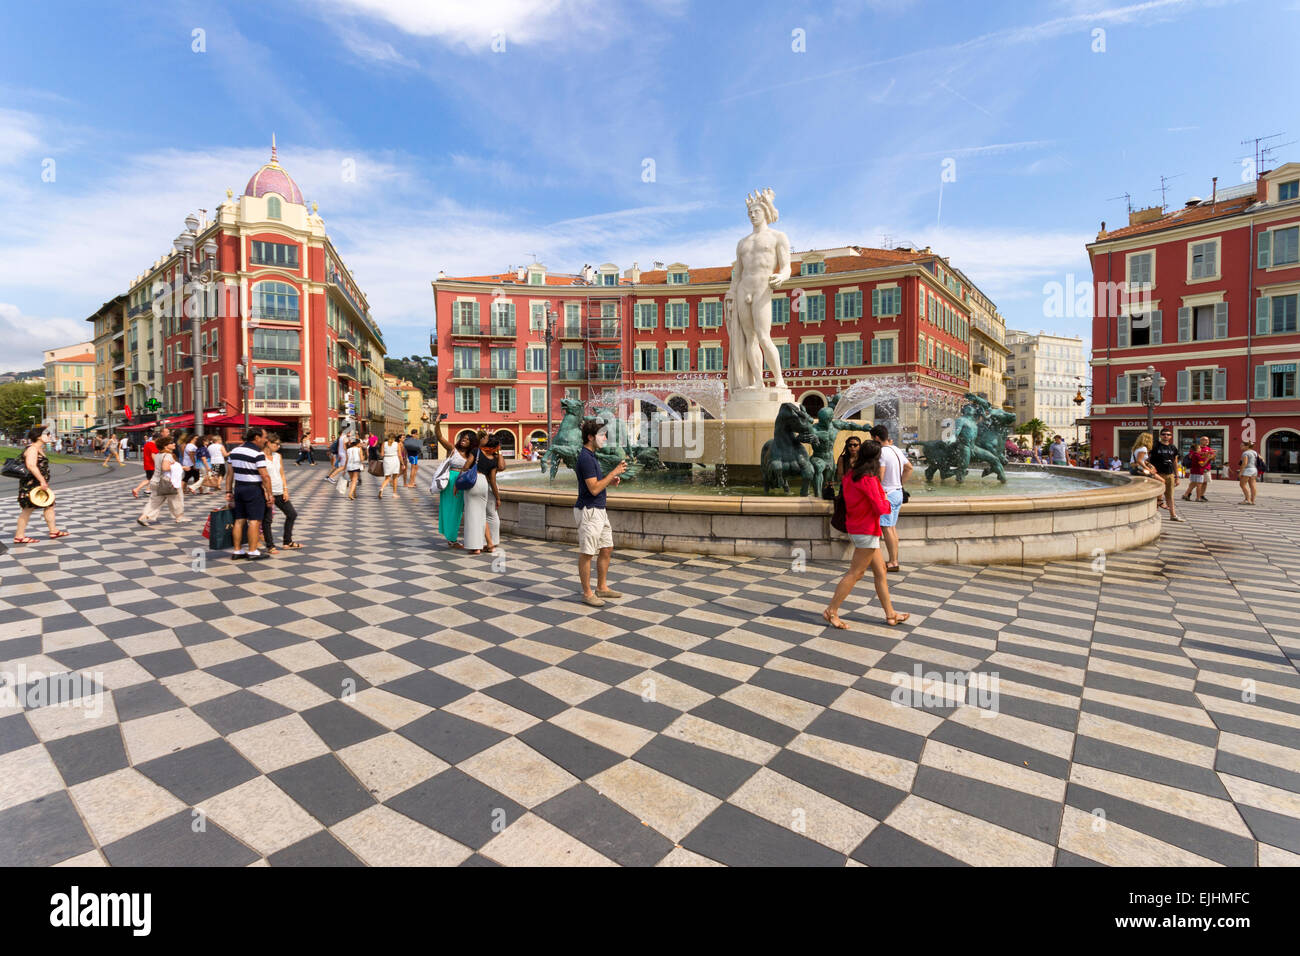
1196, 479
865, 540
594, 532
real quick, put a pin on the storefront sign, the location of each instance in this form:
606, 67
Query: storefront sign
1177, 422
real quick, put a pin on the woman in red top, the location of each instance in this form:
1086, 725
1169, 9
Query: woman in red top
150, 449
864, 503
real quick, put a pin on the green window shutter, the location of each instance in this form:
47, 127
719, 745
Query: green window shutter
1265, 258
1184, 385
1261, 381
1157, 326
875, 351
1220, 384
1121, 337
875, 301
1263, 311
1185, 324
1220, 320
837, 352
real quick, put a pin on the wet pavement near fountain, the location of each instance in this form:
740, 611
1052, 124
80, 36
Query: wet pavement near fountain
378, 699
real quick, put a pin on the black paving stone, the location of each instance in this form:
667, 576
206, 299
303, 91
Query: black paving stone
631, 709
1019, 812
82, 757
885, 846
173, 842
800, 688
868, 796
428, 688
196, 773
341, 725
42, 832
458, 806
325, 788
247, 671
1147, 766
319, 849
735, 717
238, 711
738, 838
577, 755
15, 733
450, 737
709, 770
524, 696
847, 729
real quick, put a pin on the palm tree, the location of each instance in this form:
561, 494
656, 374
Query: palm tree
1036, 428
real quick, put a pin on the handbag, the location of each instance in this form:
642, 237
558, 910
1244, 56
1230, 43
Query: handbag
441, 478
220, 529
376, 468
468, 478
840, 514
15, 467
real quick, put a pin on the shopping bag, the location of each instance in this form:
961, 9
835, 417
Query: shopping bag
341, 485
221, 529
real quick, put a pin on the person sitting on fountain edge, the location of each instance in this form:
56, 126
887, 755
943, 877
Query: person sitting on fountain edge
595, 536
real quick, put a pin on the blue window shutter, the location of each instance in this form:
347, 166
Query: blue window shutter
1265, 258
1184, 385
1220, 320
1261, 381
1157, 326
1121, 337
875, 301
1185, 324
1263, 311
1220, 384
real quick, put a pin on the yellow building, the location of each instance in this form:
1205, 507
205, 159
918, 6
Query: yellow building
412, 403
70, 388
110, 373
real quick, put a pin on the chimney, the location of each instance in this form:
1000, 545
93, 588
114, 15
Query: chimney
1214, 191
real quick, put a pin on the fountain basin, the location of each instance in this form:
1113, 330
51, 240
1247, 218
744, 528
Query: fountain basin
1117, 515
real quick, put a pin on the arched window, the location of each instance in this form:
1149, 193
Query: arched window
273, 207
275, 300
276, 384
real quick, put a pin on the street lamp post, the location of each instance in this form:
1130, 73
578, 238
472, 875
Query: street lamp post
1151, 387
245, 372
185, 244
548, 336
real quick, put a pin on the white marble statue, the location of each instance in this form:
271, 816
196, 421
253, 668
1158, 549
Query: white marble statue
762, 263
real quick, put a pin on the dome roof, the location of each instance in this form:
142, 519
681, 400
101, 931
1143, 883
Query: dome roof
272, 178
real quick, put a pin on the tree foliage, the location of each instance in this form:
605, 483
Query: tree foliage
19, 401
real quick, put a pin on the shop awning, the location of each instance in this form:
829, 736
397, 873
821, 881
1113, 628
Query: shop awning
257, 420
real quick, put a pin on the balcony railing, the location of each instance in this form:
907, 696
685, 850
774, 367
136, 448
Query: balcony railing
276, 355
570, 331
605, 330
572, 374
503, 329
607, 373
464, 373
348, 369
461, 327
505, 373
350, 336
979, 360
275, 314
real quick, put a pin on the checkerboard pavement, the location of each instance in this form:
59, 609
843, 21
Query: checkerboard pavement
377, 699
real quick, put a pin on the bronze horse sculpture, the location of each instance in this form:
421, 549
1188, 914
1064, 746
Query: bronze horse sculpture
783, 454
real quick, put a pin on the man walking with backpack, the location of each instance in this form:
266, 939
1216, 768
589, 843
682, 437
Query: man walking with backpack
894, 470
412, 447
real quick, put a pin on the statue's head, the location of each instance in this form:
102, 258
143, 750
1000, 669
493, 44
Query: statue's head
824, 415
761, 205
571, 405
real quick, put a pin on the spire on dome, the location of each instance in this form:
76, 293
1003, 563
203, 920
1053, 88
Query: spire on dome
273, 159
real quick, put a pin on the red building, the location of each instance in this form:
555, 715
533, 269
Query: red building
1207, 295
282, 302
844, 314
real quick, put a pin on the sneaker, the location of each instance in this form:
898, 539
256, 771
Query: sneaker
332, 481
592, 601
239, 556
1177, 518
608, 593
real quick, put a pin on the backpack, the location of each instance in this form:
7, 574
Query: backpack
334, 447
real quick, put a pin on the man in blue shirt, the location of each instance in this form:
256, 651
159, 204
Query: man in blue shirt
594, 533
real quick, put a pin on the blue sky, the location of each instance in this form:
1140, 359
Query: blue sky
472, 158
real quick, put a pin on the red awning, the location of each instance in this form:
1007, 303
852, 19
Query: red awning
239, 420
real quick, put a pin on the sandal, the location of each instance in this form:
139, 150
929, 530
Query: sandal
24, 540
895, 619
892, 568
293, 545
59, 534
834, 621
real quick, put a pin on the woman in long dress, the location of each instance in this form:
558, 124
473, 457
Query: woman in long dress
392, 464
451, 503
38, 468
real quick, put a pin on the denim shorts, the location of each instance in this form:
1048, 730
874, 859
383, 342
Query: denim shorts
866, 540
895, 499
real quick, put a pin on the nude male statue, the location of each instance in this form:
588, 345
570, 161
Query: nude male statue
762, 263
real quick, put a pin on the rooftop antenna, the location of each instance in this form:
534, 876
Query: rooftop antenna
1128, 201
1262, 152
1164, 187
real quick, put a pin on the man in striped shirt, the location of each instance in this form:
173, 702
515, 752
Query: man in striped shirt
248, 489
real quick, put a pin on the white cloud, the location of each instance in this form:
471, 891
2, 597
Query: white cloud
476, 24
26, 337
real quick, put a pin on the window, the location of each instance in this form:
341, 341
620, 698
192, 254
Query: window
1137, 330
273, 207
503, 362
276, 384
710, 315
571, 366
536, 400
212, 353
780, 311
537, 278
645, 358
920, 349
784, 349
1204, 259
467, 399
216, 390
535, 360
812, 354
572, 318
677, 358
814, 308
848, 305
677, 315
536, 317
609, 278
882, 350
1202, 322
571, 393
848, 353
679, 278
647, 315
464, 317
1141, 270
812, 268
710, 358
1199, 384
1275, 314
275, 300
1275, 381
887, 301
503, 318
503, 400
276, 345
1280, 247
274, 254
1288, 190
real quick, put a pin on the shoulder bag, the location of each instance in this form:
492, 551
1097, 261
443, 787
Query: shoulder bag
902, 466
468, 478
441, 477
16, 467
